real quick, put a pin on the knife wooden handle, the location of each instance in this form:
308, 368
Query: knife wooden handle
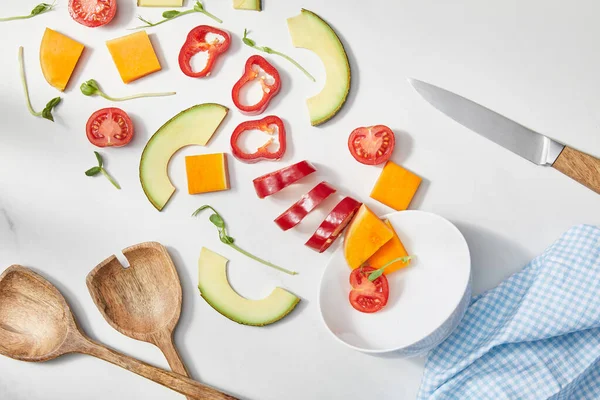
582, 167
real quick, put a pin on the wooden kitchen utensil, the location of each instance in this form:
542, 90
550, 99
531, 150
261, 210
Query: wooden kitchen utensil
142, 301
36, 324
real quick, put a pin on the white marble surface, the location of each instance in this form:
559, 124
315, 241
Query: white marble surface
535, 61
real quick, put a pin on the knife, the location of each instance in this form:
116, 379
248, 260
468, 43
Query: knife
533, 146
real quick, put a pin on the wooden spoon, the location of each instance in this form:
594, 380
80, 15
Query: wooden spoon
142, 301
36, 324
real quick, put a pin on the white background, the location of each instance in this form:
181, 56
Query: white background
535, 61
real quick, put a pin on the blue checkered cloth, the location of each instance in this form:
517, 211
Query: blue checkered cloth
536, 336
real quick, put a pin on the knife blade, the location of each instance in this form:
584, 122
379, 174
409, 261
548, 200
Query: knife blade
509, 134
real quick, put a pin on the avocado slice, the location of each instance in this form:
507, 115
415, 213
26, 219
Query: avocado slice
215, 289
254, 5
310, 32
196, 125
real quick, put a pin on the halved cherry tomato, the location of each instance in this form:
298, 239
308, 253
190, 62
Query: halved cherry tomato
109, 127
372, 145
92, 13
367, 296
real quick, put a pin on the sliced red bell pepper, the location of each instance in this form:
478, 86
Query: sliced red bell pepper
252, 72
275, 181
196, 42
296, 213
270, 125
335, 223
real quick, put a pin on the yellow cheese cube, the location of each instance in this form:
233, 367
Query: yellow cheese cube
134, 56
207, 173
395, 187
58, 57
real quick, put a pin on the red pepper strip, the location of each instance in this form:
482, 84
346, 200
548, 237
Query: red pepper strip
263, 152
196, 42
251, 73
275, 181
311, 200
333, 225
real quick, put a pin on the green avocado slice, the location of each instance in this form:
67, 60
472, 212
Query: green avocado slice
310, 32
215, 289
194, 126
253, 5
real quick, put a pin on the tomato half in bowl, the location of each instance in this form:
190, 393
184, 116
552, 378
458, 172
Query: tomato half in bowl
372, 145
109, 127
92, 13
367, 296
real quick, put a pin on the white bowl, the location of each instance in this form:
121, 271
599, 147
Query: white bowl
427, 299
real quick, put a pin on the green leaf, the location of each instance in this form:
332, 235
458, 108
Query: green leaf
99, 158
204, 207
89, 88
226, 239
217, 221
40, 8
47, 112
376, 274
171, 14
198, 7
93, 171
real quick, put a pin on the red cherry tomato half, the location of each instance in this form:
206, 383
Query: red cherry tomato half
109, 127
372, 145
93, 13
367, 296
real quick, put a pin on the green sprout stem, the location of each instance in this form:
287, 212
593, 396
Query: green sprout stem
251, 43
378, 272
91, 88
218, 221
47, 111
39, 9
172, 14
99, 169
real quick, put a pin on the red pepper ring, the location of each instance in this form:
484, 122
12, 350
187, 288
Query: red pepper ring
195, 43
250, 74
275, 181
263, 152
307, 203
333, 225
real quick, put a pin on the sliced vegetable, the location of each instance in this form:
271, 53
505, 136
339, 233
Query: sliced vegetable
219, 222
160, 3
392, 250
196, 42
134, 56
194, 126
37, 10
372, 145
216, 290
365, 235
172, 14
275, 181
59, 55
207, 173
252, 5
396, 186
93, 13
311, 200
47, 111
109, 127
368, 296
91, 88
309, 31
252, 71
271, 125
333, 225
251, 43
100, 170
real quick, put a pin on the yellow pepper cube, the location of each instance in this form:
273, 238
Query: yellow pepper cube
133, 56
395, 187
207, 173
390, 251
59, 55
